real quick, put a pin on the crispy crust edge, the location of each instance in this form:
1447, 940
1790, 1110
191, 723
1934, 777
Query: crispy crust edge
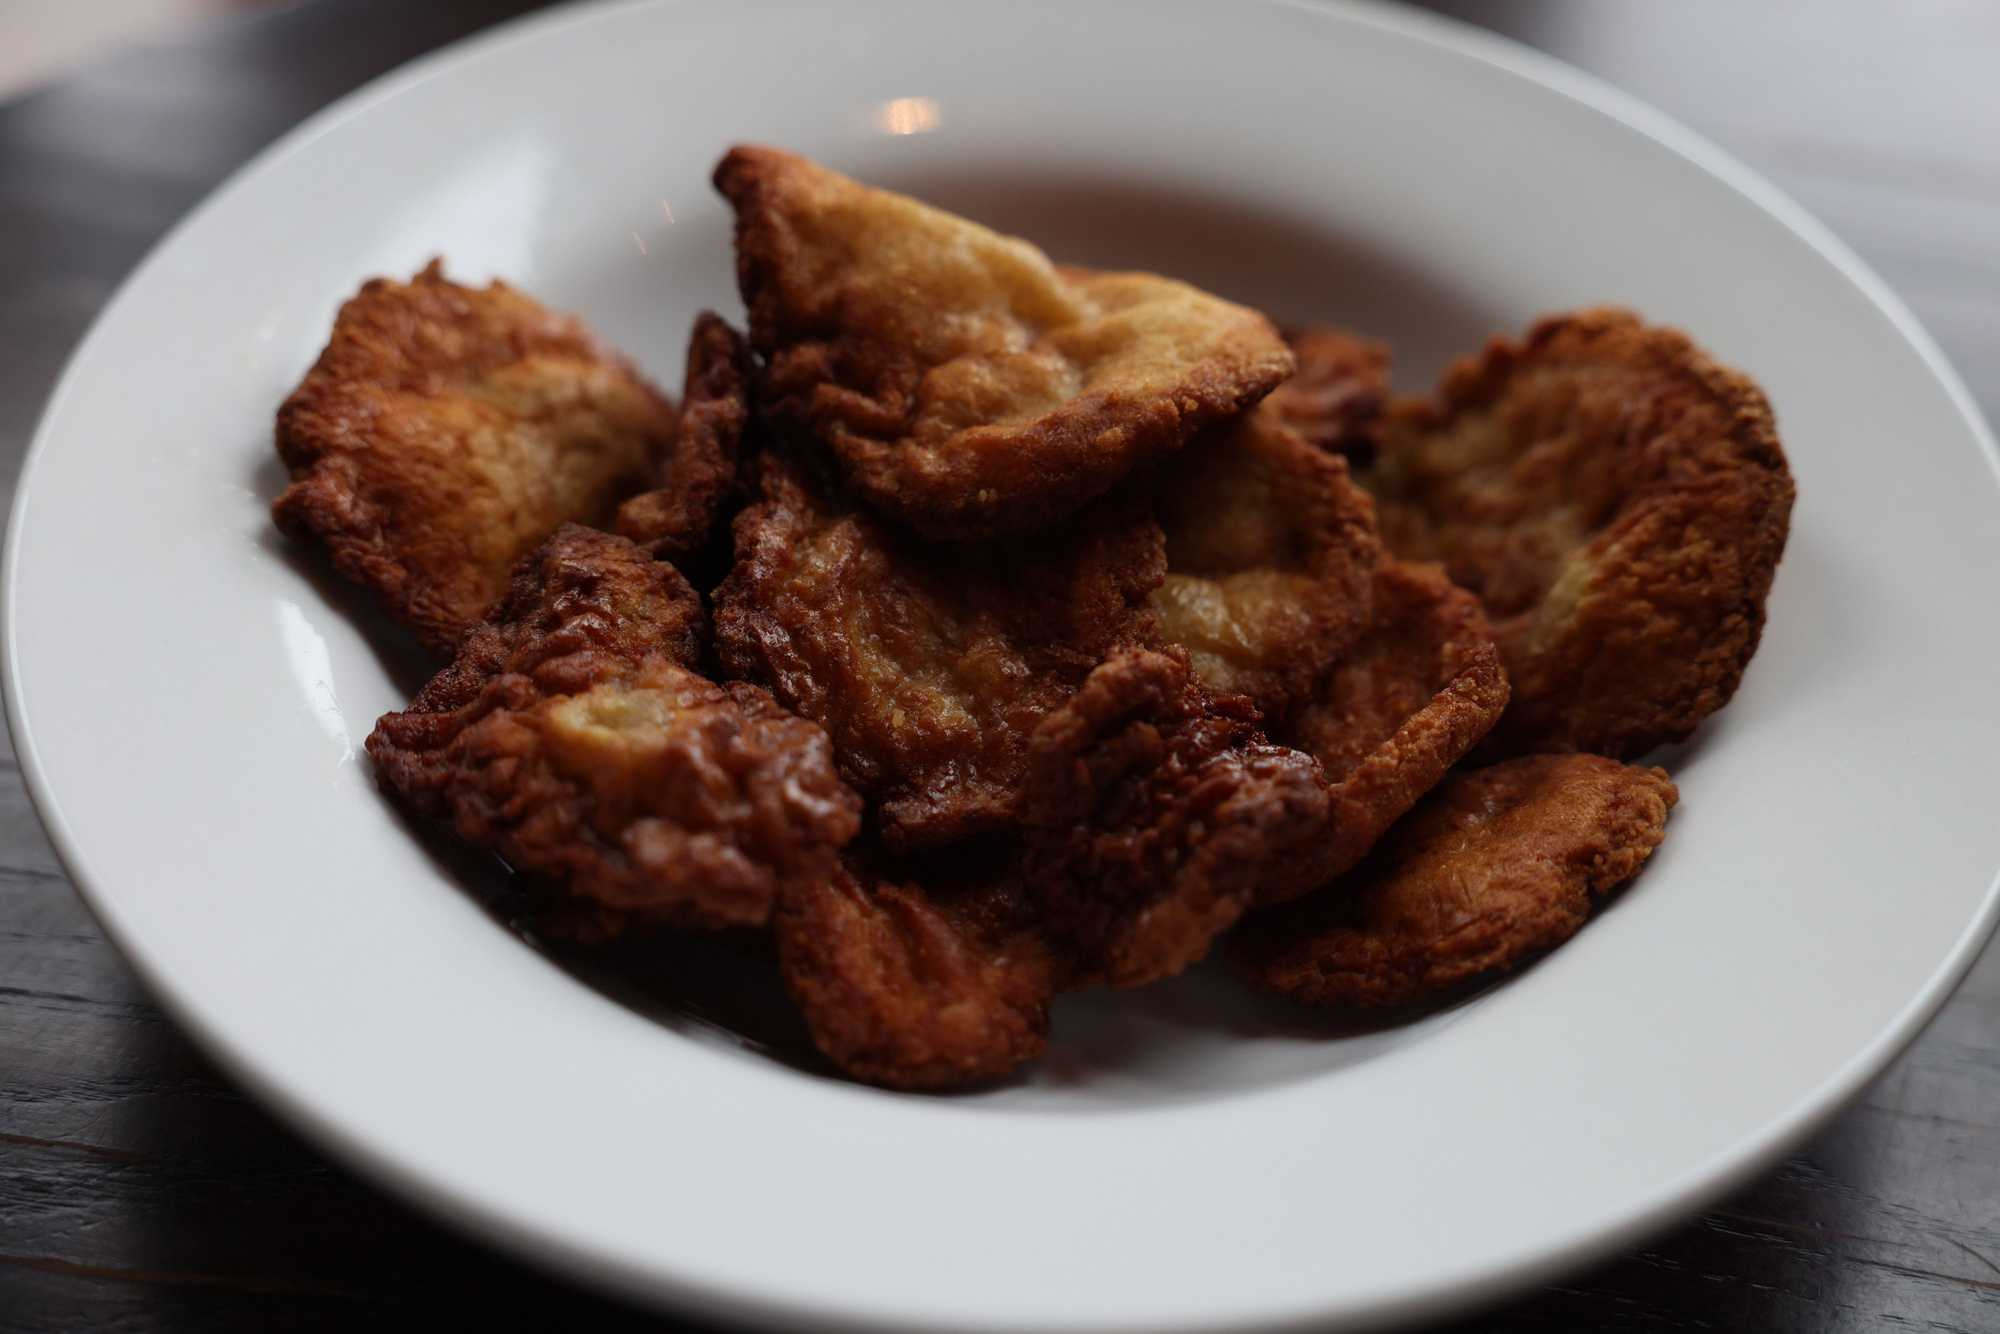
1737, 503
325, 503
1307, 954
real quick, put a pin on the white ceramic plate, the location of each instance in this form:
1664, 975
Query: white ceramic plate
188, 700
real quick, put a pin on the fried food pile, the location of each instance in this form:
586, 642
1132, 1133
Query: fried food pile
982, 628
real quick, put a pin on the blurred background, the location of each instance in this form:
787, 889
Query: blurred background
41, 39
139, 1190
1880, 117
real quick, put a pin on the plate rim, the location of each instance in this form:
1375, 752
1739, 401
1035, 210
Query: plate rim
655, 1285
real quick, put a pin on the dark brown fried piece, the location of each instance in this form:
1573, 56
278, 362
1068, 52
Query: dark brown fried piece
966, 385
1496, 866
929, 664
571, 737
1335, 398
1619, 502
1403, 706
1157, 814
695, 475
917, 986
445, 431
1271, 554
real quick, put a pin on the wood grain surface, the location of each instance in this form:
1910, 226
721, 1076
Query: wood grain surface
140, 1190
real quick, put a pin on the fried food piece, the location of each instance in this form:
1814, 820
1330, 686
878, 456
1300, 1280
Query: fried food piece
1403, 706
929, 665
1271, 554
965, 384
1335, 398
917, 986
695, 475
1157, 814
571, 736
1619, 502
445, 431
1496, 866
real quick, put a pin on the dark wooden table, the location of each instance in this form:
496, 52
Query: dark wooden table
140, 1190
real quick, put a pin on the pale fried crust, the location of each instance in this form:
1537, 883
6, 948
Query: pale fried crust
1271, 552
1620, 503
571, 736
1335, 398
929, 664
1398, 710
965, 384
912, 986
445, 431
1157, 814
1496, 866
694, 477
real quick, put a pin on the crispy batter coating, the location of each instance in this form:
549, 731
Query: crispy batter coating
445, 431
1403, 706
1496, 866
1619, 502
1157, 814
929, 664
916, 986
1335, 398
1271, 554
965, 384
571, 736
695, 475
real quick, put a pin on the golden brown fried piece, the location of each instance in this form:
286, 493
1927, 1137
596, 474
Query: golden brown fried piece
917, 986
1336, 396
1403, 706
1619, 502
1271, 554
571, 736
1496, 866
929, 665
445, 431
1157, 814
966, 385
695, 476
